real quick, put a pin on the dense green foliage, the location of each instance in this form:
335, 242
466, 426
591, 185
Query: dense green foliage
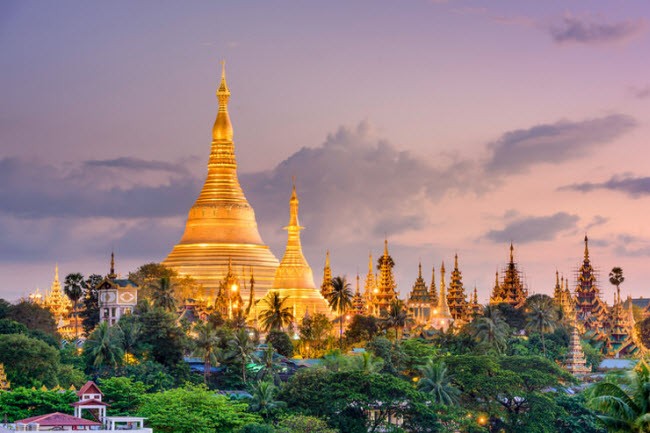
24, 402
29, 362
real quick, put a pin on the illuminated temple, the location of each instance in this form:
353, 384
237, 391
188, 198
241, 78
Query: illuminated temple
221, 226
294, 278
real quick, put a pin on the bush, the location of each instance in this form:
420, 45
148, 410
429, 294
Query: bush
281, 342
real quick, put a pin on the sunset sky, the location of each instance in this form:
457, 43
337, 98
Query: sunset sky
447, 126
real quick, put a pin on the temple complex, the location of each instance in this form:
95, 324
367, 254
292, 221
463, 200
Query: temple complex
294, 278
386, 287
60, 306
620, 339
456, 297
511, 289
221, 225
441, 319
419, 302
229, 302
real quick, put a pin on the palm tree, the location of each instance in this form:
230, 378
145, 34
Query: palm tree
131, 333
541, 316
275, 314
74, 286
207, 345
625, 407
263, 400
490, 330
396, 316
162, 294
436, 382
616, 278
104, 346
366, 362
340, 300
241, 348
270, 365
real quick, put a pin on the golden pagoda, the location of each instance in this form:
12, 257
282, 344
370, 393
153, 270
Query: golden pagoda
358, 301
475, 308
511, 289
56, 301
221, 224
591, 309
441, 318
370, 287
326, 286
433, 292
386, 287
456, 298
575, 361
294, 278
419, 301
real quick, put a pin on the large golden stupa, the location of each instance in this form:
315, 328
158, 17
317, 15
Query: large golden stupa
221, 226
294, 278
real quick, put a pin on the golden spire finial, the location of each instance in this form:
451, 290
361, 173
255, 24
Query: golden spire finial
420, 269
56, 272
456, 261
327, 258
370, 263
512, 253
442, 268
557, 277
586, 247
222, 130
385, 246
293, 205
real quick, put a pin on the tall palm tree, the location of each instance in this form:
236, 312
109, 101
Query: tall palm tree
162, 294
207, 346
625, 407
73, 287
436, 382
104, 346
275, 314
541, 316
263, 400
131, 333
241, 348
340, 300
396, 316
616, 278
490, 330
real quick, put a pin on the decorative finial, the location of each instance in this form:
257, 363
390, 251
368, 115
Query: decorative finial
56, 272
512, 253
112, 271
557, 278
386, 246
420, 269
586, 247
327, 258
456, 261
222, 130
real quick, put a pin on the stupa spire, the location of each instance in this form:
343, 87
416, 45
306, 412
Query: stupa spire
221, 224
586, 248
294, 277
112, 273
442, 302
326, 285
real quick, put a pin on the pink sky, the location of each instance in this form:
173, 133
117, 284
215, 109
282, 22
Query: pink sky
450, 126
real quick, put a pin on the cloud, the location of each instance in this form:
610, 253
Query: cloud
354, 186
517, 151
632, 186
598, 220
532, 229
640, 92
585, 30
137, 164
32, 189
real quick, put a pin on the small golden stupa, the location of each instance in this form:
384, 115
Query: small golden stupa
294, 278
221, 225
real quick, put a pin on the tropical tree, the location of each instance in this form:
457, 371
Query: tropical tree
90, 312
436, 381
263, 400
490, 330
241, 348
340, 300
396, 316
625, 407
270, 365
74, 286
162, 294
366, 362
207, 345
131, 330
541, 316
616, 278
276, 313
104, 346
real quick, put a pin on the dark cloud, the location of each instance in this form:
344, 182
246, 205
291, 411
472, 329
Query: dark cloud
585, 30
631, 246
32, 189
139, 164
532, 229
517, 151
633, 186
598, 220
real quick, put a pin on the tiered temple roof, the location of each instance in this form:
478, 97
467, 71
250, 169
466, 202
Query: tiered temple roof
456, 297
358, 301
433, 292
575, 361
620, 340
370, 287
511, 289
221, 225
56, 301
590, 308
419, 302
386, 287
326, 285
475, 307
562, 297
